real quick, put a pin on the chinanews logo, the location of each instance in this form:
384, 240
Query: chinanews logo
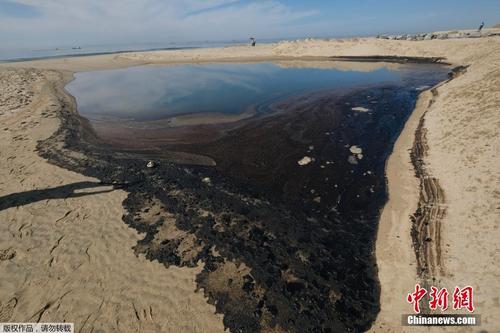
438, 301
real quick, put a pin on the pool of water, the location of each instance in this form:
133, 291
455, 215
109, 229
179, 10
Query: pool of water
150, 93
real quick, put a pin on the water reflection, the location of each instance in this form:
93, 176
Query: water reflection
152, 92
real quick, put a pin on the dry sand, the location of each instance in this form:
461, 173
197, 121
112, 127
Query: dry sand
70, 258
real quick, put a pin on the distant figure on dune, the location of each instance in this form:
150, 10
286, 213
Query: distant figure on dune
481, 27
253, 41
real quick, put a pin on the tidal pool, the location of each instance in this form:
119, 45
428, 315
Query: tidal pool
285, 218
151, 92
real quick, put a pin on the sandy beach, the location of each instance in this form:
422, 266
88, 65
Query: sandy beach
66, 254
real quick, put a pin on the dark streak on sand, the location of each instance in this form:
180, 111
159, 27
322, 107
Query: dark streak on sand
396, 59
284, 247
426, 221
426, 229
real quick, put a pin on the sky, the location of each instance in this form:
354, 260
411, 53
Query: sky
53, 23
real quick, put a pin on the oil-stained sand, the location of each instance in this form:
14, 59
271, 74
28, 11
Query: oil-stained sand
285, 247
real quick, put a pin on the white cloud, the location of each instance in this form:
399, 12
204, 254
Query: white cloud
133, 21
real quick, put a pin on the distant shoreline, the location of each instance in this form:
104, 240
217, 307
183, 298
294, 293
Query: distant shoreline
70, 52
62, 56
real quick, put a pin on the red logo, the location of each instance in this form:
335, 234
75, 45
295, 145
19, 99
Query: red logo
462, 298
439, 299
415, 297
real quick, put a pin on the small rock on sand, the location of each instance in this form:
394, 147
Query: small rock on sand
421, 88
305, 160
355, 150
360, 109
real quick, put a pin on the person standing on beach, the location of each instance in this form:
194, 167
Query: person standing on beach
481, 27
253, 41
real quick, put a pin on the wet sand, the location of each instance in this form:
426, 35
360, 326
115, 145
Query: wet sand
476, 122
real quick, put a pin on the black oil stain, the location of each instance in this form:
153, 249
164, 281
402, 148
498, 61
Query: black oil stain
285, 247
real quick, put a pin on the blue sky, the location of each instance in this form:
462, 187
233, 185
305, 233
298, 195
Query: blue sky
51, 23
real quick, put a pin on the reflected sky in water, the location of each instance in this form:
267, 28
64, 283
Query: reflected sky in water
153, 92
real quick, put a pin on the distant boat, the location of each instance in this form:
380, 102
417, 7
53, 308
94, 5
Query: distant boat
77, 48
